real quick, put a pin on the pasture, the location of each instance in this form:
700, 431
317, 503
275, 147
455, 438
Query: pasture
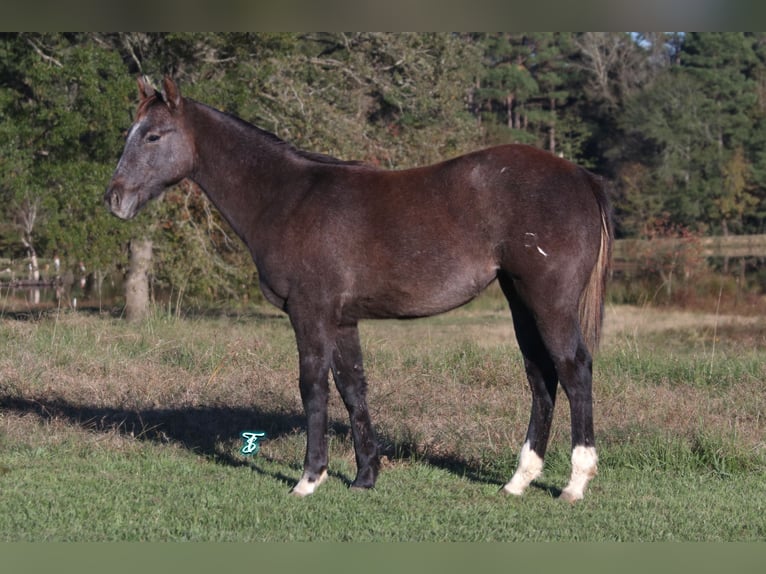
114, 432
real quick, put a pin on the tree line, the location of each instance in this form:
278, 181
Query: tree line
674, 120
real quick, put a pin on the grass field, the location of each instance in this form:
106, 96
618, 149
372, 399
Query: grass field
112, 432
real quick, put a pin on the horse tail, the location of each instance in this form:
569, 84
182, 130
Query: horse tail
592, 298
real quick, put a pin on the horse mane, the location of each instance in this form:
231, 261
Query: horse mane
264, 134
290, 148
309, 155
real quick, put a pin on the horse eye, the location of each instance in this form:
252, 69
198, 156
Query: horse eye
152, 137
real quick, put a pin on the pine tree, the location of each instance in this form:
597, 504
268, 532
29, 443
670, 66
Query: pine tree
723, 64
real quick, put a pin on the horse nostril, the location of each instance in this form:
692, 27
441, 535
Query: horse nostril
112, 199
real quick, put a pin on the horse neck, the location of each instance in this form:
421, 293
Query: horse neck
241, 169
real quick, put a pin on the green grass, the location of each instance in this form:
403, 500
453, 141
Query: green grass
155, 493
112, 432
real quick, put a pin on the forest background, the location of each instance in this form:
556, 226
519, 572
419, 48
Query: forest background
674, 120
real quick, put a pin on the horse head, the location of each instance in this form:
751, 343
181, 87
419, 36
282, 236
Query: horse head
158, 153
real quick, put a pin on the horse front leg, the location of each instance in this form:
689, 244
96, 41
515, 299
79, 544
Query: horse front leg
315, 351
348, 373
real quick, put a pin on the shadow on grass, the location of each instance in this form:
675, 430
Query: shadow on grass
204, 429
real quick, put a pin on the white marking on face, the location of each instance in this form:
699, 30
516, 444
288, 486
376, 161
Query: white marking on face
133, 130
584, 467
530, 467
306, 487
131, 134
540, 249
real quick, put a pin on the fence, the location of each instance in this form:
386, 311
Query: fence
628, 251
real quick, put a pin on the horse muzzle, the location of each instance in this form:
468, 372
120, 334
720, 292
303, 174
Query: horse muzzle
120, 203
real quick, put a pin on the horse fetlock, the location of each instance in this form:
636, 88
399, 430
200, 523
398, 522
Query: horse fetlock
365, 479
584, 468
530, 467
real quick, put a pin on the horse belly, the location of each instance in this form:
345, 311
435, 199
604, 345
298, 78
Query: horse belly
412, 290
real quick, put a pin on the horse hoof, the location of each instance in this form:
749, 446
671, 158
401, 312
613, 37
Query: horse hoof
361, 487
307, 486
570, 497
511, 492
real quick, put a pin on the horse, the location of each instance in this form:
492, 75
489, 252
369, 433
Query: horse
335, 242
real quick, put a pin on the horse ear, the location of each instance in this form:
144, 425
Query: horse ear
145, 89
171, 94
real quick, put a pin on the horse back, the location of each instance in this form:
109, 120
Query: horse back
383, 239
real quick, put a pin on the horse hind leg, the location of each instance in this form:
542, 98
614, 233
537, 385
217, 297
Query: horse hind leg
530, 464
573, 365
554, 351
576, 379
543, 383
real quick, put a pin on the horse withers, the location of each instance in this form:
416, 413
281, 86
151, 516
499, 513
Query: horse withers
335, 242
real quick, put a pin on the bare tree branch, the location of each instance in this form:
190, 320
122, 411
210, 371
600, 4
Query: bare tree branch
43, 55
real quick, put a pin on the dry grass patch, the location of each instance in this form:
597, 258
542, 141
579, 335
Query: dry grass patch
450, 388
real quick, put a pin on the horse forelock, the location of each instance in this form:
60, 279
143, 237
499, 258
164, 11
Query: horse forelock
145, 104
